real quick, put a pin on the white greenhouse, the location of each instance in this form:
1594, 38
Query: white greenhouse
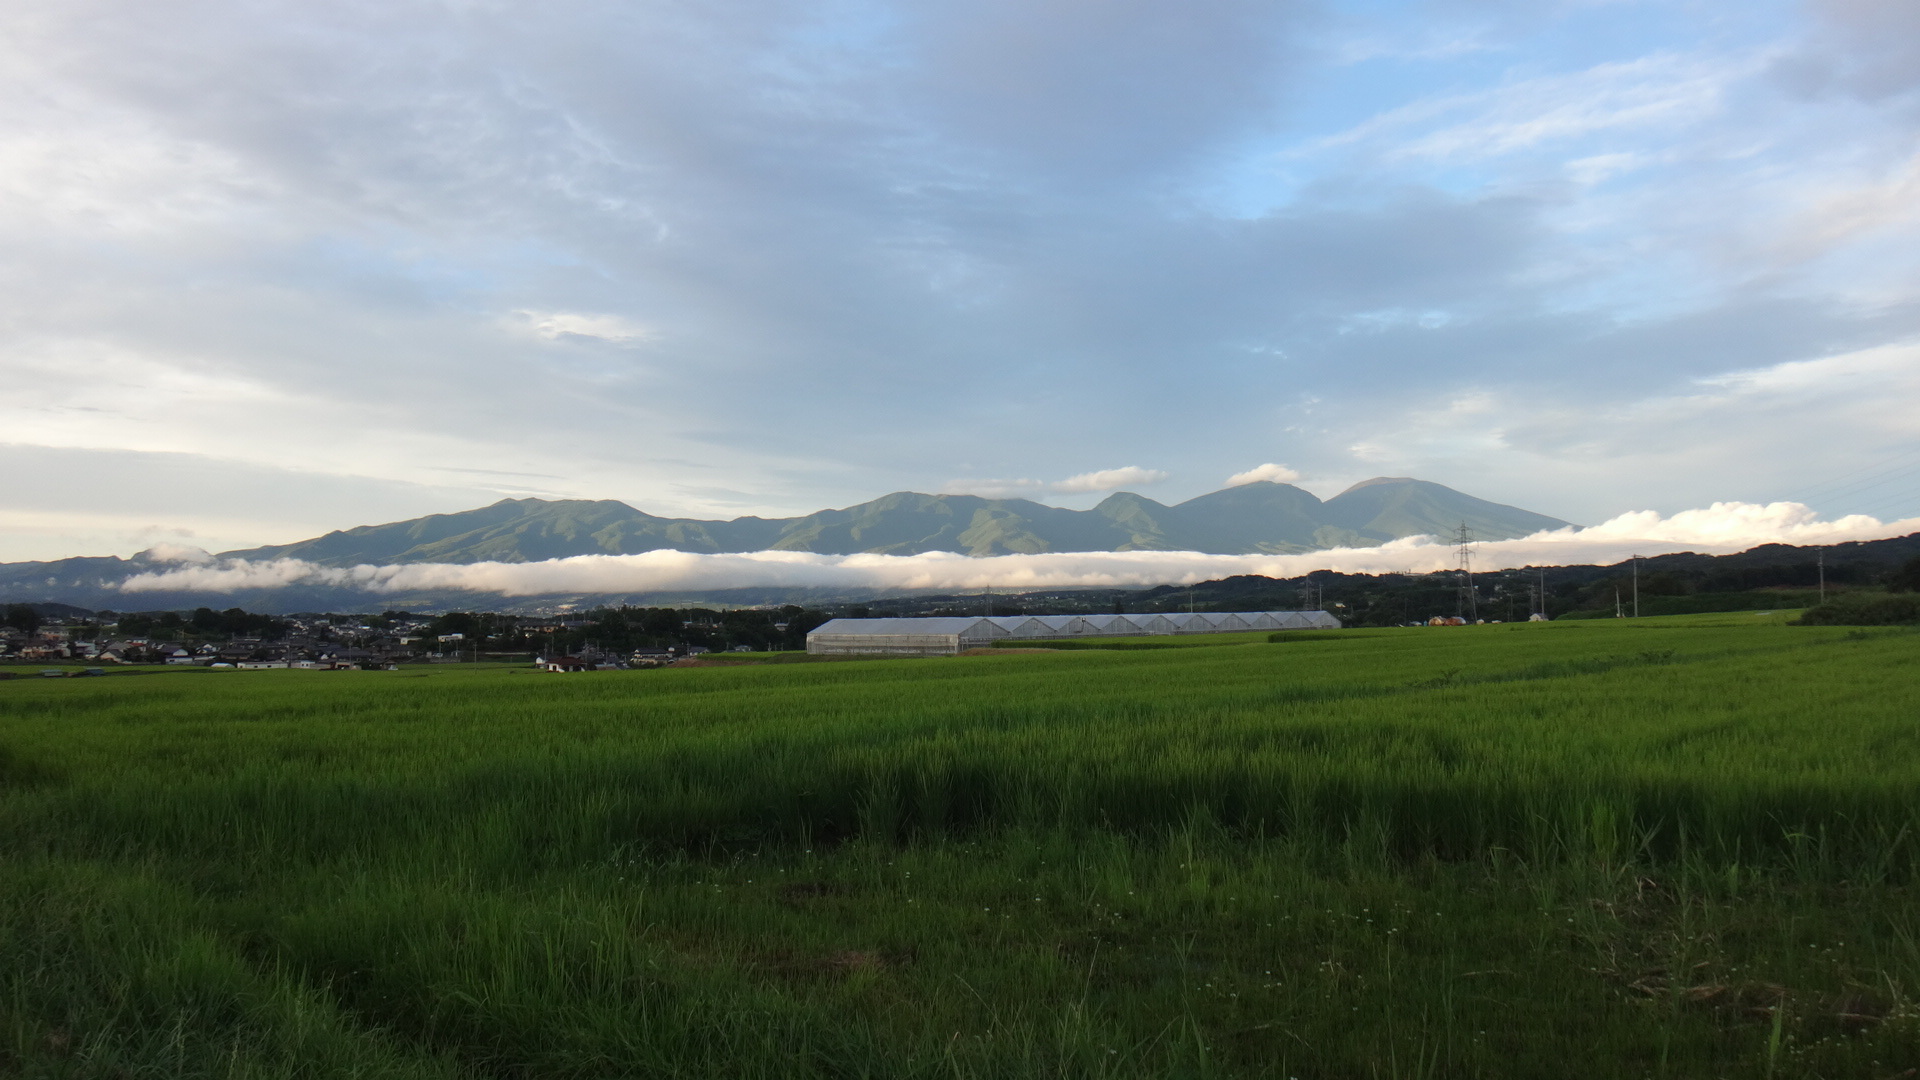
948, 636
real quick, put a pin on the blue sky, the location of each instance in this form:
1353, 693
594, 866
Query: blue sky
276, 268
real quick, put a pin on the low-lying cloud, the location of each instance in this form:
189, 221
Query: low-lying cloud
1720, 528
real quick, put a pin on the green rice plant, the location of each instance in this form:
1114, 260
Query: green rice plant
1409, 852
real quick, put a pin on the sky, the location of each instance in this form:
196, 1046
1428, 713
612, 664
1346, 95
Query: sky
272, 269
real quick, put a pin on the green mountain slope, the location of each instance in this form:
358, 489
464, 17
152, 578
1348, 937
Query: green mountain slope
1262, 517
1254, 518
1389, 507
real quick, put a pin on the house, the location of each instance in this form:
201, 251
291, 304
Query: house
565, 664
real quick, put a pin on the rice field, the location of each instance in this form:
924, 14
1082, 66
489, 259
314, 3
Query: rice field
1681, 847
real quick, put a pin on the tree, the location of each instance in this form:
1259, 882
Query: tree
456, 622
22, 617
1907, 578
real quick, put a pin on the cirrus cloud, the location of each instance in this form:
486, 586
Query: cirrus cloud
555, 325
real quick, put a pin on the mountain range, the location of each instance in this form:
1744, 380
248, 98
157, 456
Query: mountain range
1250, 519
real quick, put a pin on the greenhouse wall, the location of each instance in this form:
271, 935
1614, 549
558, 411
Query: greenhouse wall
947, 636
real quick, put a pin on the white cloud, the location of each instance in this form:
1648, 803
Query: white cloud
1731, 526
1108, 480
1792, 430
849, 239
553, 325
995, 488
1601, 167
178, 553
1722, 527
1080, 484
1272, 472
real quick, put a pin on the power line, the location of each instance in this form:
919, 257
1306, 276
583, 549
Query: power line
1869, 468
1894, 505
1864, 478
1881, 481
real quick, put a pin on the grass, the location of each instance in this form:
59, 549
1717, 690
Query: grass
1866, 609
1710, 602
1672, 847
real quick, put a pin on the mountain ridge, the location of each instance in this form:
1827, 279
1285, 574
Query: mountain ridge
1261, 517
1249, 519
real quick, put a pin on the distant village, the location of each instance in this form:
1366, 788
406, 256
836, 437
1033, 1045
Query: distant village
239, 639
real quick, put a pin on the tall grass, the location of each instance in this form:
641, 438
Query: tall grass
1381, 853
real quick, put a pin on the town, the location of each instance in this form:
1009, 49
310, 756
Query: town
235, 638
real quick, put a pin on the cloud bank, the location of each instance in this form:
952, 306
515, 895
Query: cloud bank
1720, 528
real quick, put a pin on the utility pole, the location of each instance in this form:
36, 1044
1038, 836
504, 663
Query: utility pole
1636, 586
1822, 563
1469, 605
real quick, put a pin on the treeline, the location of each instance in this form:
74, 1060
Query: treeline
1899, 605
1775, 575
201, 622
167, 625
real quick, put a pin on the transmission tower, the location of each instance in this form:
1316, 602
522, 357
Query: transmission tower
1469, 607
